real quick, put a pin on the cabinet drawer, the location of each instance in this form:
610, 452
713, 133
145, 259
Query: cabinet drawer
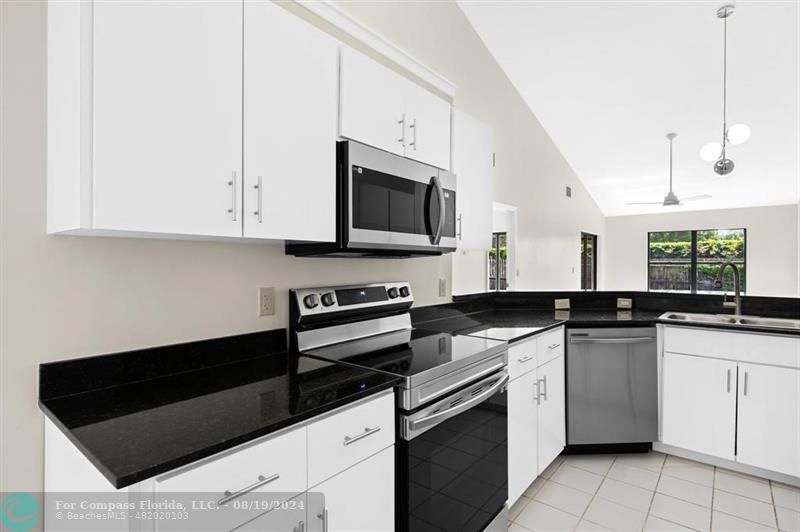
283, 455
345, 438
550, 345
522, 358
733, 345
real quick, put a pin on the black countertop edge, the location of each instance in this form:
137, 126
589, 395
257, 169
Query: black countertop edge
546, 320
124, 481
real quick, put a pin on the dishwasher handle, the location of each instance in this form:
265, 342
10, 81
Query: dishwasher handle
624, 340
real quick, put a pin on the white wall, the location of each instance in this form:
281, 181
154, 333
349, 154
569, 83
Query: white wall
64, 297
772, 245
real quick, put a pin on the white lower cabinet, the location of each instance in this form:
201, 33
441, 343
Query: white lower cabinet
357, 499
733, 395
551, 435
536, 409
522, 435
768, 425
699, 404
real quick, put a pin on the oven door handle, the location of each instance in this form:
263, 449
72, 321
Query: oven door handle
458, 408
437, 236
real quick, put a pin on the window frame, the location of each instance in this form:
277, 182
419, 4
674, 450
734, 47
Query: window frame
693, 259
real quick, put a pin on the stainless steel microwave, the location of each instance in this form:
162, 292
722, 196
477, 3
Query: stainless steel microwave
387, 205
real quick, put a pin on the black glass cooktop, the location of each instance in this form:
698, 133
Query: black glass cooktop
409, 352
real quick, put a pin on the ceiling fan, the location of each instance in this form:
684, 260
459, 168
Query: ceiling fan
671, 198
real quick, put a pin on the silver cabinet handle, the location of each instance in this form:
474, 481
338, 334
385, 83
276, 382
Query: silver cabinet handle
414, 127
402, 123
232, 184
460, 218
729, 381
262, 480
745, 383
367, 432
543, 387
258, 189
553, 346
301, 527
524, 359
538, 397
324, 516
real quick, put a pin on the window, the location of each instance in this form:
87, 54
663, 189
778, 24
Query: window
689, 261
498, 256
588, 261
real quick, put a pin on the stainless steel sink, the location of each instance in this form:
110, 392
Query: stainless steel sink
724, 319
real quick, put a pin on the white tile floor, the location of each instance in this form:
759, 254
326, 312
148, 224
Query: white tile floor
652, 492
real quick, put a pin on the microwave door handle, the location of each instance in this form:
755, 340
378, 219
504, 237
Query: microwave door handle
437, 236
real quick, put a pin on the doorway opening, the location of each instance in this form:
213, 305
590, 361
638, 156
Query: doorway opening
588, 261
498, 262
501, 266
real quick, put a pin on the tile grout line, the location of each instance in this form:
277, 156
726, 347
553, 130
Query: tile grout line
774, 506
594, 495
655, 490
713, 491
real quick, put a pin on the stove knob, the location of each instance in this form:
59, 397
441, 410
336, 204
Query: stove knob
327, 299
310, 301
392, 292
404, 291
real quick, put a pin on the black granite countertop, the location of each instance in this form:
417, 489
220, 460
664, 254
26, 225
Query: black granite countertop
138, 428
470, 322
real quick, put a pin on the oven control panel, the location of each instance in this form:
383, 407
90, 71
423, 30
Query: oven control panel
312, 301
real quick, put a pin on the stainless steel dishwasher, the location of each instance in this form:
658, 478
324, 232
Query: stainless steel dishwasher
612, 397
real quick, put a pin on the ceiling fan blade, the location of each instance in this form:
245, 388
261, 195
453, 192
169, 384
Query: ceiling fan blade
694, 198
644, 203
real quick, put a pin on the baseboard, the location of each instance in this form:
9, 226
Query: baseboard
727, 464
608, 448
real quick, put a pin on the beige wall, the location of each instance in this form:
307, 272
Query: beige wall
772, 242
64, 297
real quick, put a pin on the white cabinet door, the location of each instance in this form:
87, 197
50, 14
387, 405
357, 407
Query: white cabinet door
522, 438
167, 112
698, 410
768, 429
551, 433
372, 103
289, 516
290, 102
428, 127
473, 146
358, 499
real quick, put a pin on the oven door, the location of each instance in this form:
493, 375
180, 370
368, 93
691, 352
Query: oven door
397, 203
453, 460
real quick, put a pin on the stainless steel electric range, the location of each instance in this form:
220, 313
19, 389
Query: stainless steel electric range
452, 422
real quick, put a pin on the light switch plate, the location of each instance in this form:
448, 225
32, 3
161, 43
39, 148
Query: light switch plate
266, 301
562, 304
624, 302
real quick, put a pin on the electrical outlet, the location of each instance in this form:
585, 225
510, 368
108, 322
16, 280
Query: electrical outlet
624, 302
562, 304
266, 301
442, 287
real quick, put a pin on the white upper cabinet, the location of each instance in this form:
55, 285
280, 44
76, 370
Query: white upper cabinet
167, 117
768, 425
383, 109
371, 103
473, 149
427, 127
290, 101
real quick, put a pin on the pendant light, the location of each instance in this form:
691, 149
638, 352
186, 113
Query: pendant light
737, 134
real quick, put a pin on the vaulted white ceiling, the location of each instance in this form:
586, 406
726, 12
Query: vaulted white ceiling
609, 79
